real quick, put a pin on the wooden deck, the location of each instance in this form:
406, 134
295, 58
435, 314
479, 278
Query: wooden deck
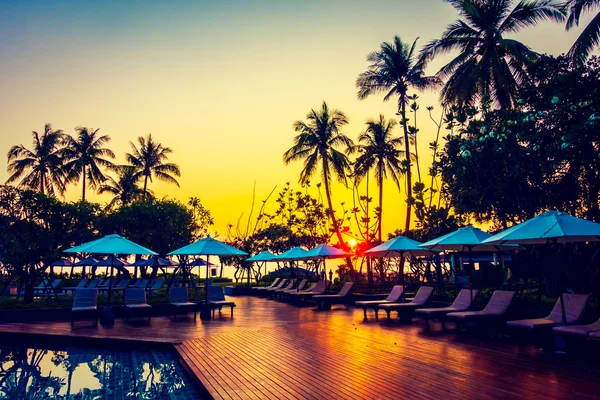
271, 350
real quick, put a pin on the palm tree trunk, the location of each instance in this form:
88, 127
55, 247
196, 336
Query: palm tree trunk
380, 183
145, 185
329, 202
42, 179
83, 190
417, 148
408, 173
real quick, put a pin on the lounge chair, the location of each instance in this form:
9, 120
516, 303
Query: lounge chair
290, 285
325, 301
319, 288
577, 330
82, 283
216, 299
122, 285
574, 308
462, 302
179, 299
135, 299
94, 284
421, 299
267, 291
307, 289
103, 285
273, 284
395, 296
301, 286
157, 284
85, 301
496, 309
141, 283
50, 288
41, 287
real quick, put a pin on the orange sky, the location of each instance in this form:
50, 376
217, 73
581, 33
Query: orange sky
219, 82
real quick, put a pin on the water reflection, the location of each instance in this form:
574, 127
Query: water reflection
79, 373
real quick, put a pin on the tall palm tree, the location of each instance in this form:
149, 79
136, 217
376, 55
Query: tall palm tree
125, 189
149, 160
379, 151
316, 144
394, 70
85, 155
42, 168
590, 37
488, 66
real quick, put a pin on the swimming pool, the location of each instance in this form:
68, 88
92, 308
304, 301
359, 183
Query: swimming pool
69, 373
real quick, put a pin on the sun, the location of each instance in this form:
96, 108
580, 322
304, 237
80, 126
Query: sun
352, 242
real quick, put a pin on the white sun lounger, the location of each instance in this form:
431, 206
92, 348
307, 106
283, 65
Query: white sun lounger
394, 296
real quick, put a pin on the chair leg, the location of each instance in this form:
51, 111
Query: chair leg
365, 312
376, 313
388, 312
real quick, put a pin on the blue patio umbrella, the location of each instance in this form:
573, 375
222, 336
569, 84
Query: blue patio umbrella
323, 252
550, 227
293, 254
86, 262
400, 246
261, 259
111, 245
467, 239
208, 247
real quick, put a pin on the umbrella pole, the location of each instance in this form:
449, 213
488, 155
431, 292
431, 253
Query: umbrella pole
471, 273
206, 281
562, 300
112, 262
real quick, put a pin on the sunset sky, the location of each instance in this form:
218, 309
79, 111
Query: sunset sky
219, 82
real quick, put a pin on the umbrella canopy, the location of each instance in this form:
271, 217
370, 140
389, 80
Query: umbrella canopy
198, 262
297, 253
111, 244
159, 262
63, 262
112, 262
86, 262
549, 227
398, 246
323, 251
263, 256
468, 238
208, 247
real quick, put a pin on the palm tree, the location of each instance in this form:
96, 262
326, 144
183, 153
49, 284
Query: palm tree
149, 160
379, 150
85, 155
42, 168
590, 37
316, 144
488, 66
393, 70
125, 189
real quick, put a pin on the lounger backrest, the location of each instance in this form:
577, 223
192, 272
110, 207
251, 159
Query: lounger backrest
93, 283
423, 295
275, 282
302, 284
500, 301
142, 283
208, 282
291, 284
215, 293
81, 284
463, 300
281, 284
123, 283
85, 298
345, 291
574, 307
158, 284
43, 284
136, 282
56, 283
135, 296
178, 295
395, 294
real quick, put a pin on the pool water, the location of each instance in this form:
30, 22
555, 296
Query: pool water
75, 373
